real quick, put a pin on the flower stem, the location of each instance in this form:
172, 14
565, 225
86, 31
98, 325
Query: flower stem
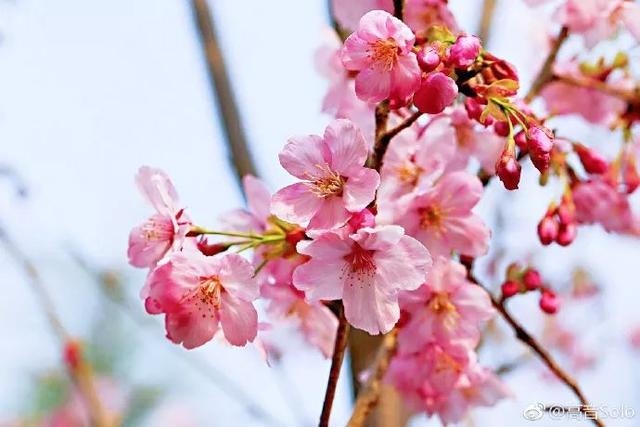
546, 72
336, 363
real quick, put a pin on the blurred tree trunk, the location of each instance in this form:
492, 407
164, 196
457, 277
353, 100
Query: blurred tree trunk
390, 410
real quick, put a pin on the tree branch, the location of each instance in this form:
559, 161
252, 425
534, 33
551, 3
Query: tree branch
630, 96
546, 72
336, 364
528, 340
368, 397
484, 30
221, 87
81, 375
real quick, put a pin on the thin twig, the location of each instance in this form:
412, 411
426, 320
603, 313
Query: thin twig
630, 96
336, 364
546, 72
221, 86
81, 376
368, 397
526, 338
109, 285
380, 146
484, 30
398, 9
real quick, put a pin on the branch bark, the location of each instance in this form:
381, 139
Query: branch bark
523, 336
369, 396
336, 364
546, 72
484, 31
241, 159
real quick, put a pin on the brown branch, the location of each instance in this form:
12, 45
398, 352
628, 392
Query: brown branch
379, 146
630, 96
484, 30
528, 340
546, 72
368, 397
398, 9
385, 136
336, 364
82, 375
221, 87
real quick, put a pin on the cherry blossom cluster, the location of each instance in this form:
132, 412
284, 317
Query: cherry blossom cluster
380, 215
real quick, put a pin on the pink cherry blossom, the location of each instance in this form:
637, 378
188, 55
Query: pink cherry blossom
597, 20
562, 98
335, 184
199, 293
443, 220
464, 51
349, 12
254, 218
447, 307
473, 141
166, 229
421, 15
381, 52
437, 91
413, 162
316, 321
366, 270
598, 202
341, 100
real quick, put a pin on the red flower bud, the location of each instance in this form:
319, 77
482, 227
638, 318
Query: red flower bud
592, 161
464, 51
510, 288
532, 279
548, 229
501, 128
72, 353
566, 234
549, 302
630, 175
428, 59
437, 92
210, 249
540, 143
508, 169
521, 140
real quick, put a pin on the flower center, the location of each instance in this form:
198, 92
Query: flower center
157, 229
210, 291
441, 305
360, 259
329, 183
384, 53
409, 173
444, 363
430, 216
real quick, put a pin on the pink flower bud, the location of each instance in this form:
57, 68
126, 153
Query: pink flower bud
532, 279
539, 139
549, 302
508, 169
540, 143
428, 59
464, 51
521, 140
566, 234
474, 111
501, 128
210, 249
566, 210
548, 229
592, 161
510, 288
499, 68
436, 93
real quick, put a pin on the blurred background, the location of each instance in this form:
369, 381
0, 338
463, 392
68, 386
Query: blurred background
90, 91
